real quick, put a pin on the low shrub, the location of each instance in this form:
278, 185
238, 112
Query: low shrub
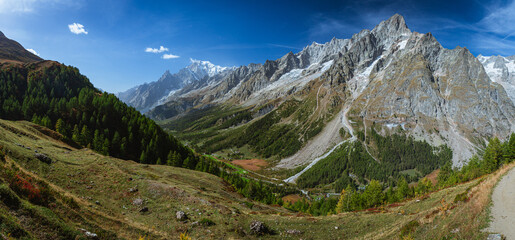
8, 197
2, 154
23, 186
409, 228
206, 222
462, 197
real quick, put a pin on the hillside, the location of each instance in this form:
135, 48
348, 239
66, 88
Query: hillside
86, 196
59, 97
13, 51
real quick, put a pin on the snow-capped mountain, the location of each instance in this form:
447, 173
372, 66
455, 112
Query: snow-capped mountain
388, 76
202, 69
501, 70
146, 96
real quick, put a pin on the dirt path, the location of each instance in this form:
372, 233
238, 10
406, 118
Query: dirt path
503, 209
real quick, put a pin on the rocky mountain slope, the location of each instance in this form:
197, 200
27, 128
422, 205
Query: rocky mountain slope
501, 70
436, 94
388, 78
12, 50
146, 96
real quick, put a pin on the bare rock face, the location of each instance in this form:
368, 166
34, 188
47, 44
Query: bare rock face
441, 95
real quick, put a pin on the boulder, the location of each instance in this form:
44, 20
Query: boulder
137, 202
258, 228
181, 216
42, 157
495, 236
293, 232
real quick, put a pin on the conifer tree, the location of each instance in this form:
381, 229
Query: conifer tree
340, 207
59, 126
76, 134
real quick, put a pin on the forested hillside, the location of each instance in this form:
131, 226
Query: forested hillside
60, 98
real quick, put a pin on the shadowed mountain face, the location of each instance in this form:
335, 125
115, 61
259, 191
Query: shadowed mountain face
12, 50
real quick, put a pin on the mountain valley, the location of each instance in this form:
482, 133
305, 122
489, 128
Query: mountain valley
385, 135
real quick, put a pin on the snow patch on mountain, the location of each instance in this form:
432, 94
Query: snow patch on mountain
501, 70
295, 79
205, 68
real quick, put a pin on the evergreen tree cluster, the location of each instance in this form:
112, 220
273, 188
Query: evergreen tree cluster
60, 98
351, 163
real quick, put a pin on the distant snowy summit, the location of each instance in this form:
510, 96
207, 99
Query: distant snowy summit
148, 95
501, 70
205, 68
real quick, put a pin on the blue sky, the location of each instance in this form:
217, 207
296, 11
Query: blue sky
229, 33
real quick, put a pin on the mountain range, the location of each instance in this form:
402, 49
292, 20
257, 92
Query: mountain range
147, 96
388, 77
353, 116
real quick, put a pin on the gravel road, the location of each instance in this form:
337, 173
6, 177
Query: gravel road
503, 209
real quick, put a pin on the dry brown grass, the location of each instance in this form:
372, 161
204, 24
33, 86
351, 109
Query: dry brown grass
480, 195
469, 217
292, 198
251, 164
432, 176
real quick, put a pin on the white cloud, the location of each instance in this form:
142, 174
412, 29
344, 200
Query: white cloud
33, 51
156, 50
500, 20
23, 6
76, 28
170, 56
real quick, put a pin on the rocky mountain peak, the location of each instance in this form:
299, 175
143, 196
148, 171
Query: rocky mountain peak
390, 30
165, 75
395, 23
2, 34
